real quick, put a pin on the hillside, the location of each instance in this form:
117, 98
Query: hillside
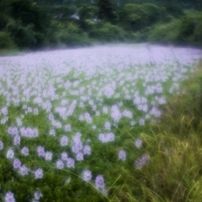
38, 24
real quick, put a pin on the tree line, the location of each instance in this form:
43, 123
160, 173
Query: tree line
35, 24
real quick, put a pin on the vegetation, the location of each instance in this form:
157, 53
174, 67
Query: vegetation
35, 24
101, 134
174, 145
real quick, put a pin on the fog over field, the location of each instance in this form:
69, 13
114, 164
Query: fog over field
104, 56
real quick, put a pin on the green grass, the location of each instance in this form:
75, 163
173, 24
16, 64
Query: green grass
174, 145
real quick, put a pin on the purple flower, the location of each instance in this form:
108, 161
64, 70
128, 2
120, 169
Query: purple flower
38, 173
9, 197
37, 195
155, 112
79, 156
29, 109
52, 132
142, 122
70, 163
77, 145
35, 132
13, 131
25, 151
105, 110
10, 154
87, 117
36, 111
122, 155
143, 160
48, 156
59, 164
107, 137
16, 163
64, 156
63, 141
107, 126
138, 143
127, 113
1, 145
87, 150
17, 140
4, 110
68, 128
29, 132
23, 170
99, 182
86, 175
104, 191
41, 151
4, 120
115, 113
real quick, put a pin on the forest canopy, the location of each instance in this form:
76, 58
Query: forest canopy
36, 24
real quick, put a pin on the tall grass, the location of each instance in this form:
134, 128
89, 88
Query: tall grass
174, 146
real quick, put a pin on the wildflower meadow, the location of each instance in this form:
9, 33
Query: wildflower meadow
71, 121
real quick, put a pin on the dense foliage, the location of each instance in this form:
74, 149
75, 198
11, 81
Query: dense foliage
34, 24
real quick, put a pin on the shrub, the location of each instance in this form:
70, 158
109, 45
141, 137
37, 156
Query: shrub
3, 21
71, 35
174, 9
108, 32
153, 13
26, 37
6, 42
136, 17
73, 40
166, 33
132, 17
186, 30
191, 28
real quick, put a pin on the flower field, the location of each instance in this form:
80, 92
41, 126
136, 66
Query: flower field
70, 120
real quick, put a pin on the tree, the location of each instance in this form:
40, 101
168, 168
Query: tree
106, 10
29, 13
133, 17
88, 15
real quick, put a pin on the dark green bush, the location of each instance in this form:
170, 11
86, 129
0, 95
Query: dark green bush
87, 14
153, 13
28, 13
61, 13
108, 32
4, 19
133, 17
139, 16
71, 35
6, 42
26, 37
164, 32
73, 40
191, 28
186, 30
174, 10
106, 10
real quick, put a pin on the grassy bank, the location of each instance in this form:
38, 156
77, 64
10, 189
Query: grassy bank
174, 146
